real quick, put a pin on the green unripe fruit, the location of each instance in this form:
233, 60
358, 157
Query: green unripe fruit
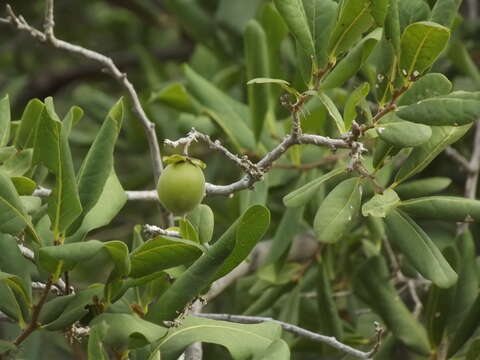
181, 187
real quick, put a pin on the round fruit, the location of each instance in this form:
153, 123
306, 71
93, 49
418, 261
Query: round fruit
181, 187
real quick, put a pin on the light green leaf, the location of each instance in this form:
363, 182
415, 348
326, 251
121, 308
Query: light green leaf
24, 185
18, 164
108, 205
5, 120
162, 253
305, 193
338, 211
380, 204
421, 156
353, 20
278, 350
98, 163
95, 348
52, 149
419, 249
13, 216
26, 134
258, 337
187, 231
333, 111
202, 219
421, 44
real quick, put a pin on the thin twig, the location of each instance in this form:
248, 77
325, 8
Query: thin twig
329, 340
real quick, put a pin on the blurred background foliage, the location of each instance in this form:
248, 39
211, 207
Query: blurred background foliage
151, 40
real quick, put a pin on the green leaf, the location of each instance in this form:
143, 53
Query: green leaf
421, 156
352, 62
461, 58
421, 44
422, 187
392, 25
466, 328
202, 219
63, 311
5, 120
372, 285
108, 205
17, 285
24, 185
379, 10
439, 302
52, 149
338, 211
248, 232
18, 164
439, 111
444, 12
447, 208
95, 348
26, 134
175, 96
429, 85
187, 231
330, 322
222, 108
98, 163
473, 350
258, 337
6, 346
333, 111
13, 216
162, 253
284, 234
72, 254
380, 204
401, 133
121, 331
278, 350
304, 194
419, 249
310, 22
257, 62
353, 20
354, 99
411, 11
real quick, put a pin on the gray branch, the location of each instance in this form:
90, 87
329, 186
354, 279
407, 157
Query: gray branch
455, 155
329, 340
141, 195
48, 37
